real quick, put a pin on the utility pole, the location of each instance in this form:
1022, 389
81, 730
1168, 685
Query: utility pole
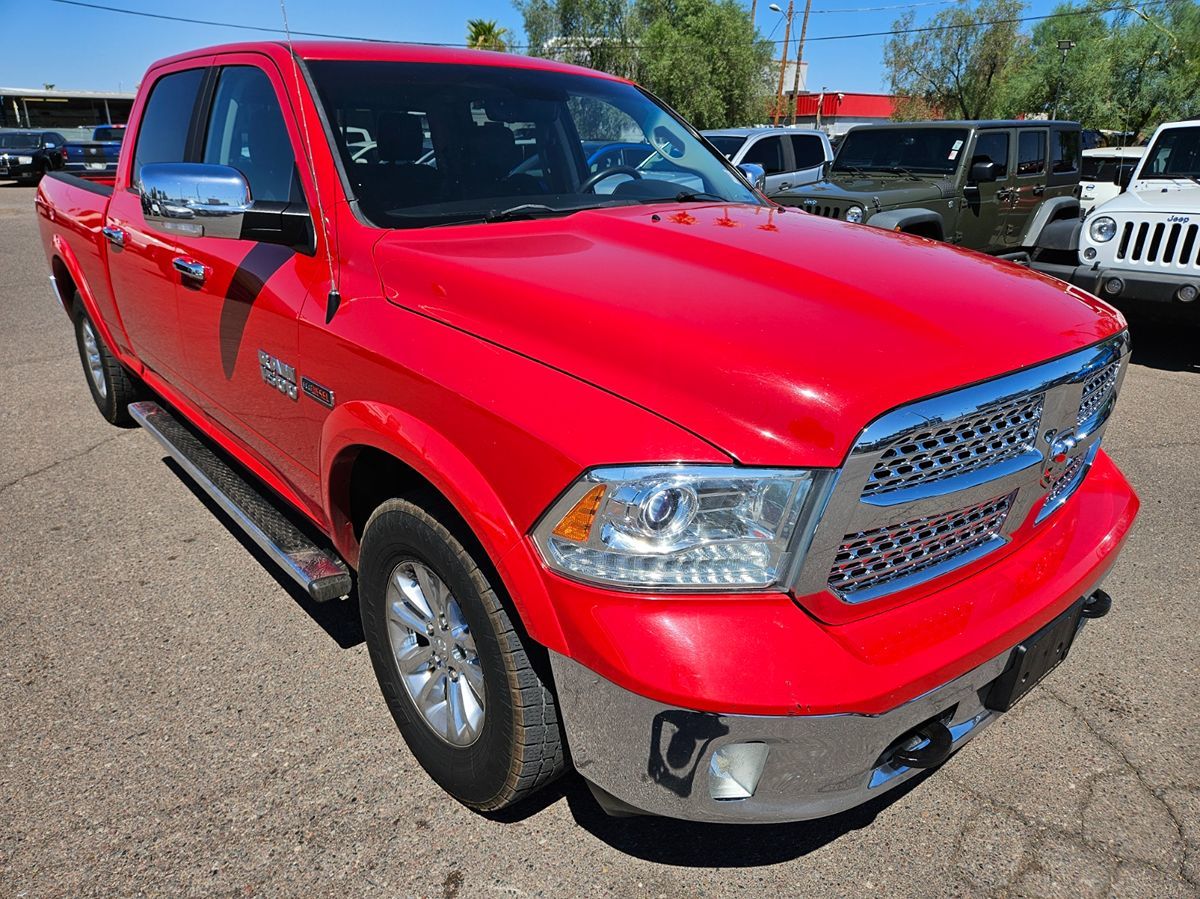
1064, 47
783, 57
799, 60
753, 11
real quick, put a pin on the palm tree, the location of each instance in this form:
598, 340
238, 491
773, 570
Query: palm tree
485, 34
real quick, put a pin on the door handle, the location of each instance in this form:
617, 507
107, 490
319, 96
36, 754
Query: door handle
786, 185
115, 236
190, 268
1039, 190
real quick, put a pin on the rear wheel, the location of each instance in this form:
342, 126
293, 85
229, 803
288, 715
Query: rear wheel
113, 389
454, 671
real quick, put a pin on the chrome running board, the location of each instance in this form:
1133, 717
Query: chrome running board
318, 571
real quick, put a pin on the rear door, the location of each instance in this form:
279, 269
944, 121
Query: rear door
244, 313
808, 159
982, 218
771, 152
1032, 174
140, 260
1065, 164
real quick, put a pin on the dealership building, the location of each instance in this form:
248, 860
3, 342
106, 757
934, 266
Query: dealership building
26, 107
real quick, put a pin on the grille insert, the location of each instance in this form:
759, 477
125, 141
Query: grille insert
982, 439
1161, 243
870, 559
829, 212
1097, 390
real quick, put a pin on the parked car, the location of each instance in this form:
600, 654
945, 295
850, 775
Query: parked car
748, 515
97, 156
789, 157
1097, 181
989, 186
27, 155
1143, 246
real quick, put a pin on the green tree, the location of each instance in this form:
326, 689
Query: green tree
705, 59
956, 69
486, 34
600, 34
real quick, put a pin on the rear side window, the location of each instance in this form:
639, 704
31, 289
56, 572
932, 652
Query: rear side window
992, 146
163, 133
1031, 153
1064, 151
808, 150
246, 131
768, 153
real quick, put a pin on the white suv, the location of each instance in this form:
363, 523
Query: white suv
1145, 243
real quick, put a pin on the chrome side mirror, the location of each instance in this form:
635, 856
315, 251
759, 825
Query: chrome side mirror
194, 199
754, 173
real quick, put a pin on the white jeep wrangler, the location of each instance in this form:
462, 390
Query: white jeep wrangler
1145, 243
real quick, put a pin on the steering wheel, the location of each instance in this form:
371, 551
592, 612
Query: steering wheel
591, 182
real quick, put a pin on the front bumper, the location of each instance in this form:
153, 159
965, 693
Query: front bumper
1144, 286
12, 170
662, 760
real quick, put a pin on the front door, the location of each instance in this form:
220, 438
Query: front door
242, 316
773, 156
985, 206
140, 260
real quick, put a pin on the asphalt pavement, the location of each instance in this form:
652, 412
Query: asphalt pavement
176, 719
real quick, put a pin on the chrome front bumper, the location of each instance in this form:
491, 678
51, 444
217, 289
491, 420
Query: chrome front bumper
661, 760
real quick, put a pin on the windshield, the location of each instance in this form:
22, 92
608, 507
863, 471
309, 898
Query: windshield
19, 141
922, 151
1176, 154
108, 134
429, 144
728, 144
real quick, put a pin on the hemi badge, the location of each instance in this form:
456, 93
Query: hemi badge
322, 395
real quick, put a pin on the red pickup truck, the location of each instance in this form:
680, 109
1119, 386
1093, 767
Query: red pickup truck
746, 514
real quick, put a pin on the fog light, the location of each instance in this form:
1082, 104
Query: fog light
1186, 294
1089, 253
735, 769
1114, 286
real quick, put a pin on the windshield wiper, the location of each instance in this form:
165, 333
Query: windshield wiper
901, 170
852, 169
693, 196
526, 211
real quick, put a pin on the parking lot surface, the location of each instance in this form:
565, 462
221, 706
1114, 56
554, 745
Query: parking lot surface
175, 718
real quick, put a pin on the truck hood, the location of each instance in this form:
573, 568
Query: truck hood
1163, 196
772, 334
870, 193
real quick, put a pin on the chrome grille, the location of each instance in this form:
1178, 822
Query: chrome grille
992, 435
1096, 391
868, 560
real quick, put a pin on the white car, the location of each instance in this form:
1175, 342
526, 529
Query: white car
1096, 181
790, 157
1143, 245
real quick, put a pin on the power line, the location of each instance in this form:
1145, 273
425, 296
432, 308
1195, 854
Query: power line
1016, 20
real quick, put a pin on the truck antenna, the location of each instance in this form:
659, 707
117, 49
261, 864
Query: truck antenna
334, 299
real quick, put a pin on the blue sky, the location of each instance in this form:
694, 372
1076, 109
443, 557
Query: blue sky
72, 47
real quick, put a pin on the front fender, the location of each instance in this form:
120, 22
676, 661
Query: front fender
1054, 209
907, 219
359, 424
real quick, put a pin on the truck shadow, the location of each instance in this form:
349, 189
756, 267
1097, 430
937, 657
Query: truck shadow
338, 618
1168, 344
691, 844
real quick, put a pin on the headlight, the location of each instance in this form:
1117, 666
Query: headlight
1103, 229
854, 214
24, 160
675, 527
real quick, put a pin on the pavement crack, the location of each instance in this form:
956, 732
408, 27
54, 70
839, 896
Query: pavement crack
71, 458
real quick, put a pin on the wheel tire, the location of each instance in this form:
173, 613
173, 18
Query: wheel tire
519, 746
112, 388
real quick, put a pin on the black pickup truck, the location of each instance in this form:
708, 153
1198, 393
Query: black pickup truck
27, 155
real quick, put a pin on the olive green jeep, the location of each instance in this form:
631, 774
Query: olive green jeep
989, 186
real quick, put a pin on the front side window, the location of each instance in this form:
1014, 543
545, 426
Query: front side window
469, 143
768, 153
992, 146
246, 131
1176, 154
1064, 156
726, 144
1031, 153
162, 135
901, 151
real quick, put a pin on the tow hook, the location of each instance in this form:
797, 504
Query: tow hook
931, 752
1097, 605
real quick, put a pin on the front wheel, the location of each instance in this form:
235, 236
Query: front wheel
454, 671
